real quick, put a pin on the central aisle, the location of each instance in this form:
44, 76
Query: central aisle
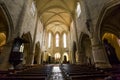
56, 73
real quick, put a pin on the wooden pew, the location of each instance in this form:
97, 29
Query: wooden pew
39, 72
80, 72
88, 77
24, 78
3, 73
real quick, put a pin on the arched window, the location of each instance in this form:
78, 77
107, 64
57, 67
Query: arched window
49, 40
57, 40
57, 56
78, 10
64, 40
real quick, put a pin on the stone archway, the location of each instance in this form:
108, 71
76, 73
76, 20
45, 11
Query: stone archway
86, 50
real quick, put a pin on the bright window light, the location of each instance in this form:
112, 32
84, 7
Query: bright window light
57, 40
64, 40
49, 40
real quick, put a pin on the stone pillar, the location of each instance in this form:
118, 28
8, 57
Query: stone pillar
71, 57
99, 55
76, 35
76, 57
4, 57
32, 46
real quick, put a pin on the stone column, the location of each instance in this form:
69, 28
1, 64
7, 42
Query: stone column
99, 55
71, 57
76, 35
32, 51
4, 57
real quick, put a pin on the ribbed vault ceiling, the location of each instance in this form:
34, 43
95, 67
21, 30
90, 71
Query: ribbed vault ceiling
56, 15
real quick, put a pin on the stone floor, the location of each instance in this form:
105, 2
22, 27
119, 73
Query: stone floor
56, 73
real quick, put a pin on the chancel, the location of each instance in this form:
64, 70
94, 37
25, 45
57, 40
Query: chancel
59, 39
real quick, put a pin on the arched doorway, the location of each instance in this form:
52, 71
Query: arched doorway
65, 58
86, 49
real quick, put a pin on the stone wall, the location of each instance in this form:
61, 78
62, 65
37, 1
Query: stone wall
14, 7
90, 10
39, 34
94, 9
29, 20
23, 19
